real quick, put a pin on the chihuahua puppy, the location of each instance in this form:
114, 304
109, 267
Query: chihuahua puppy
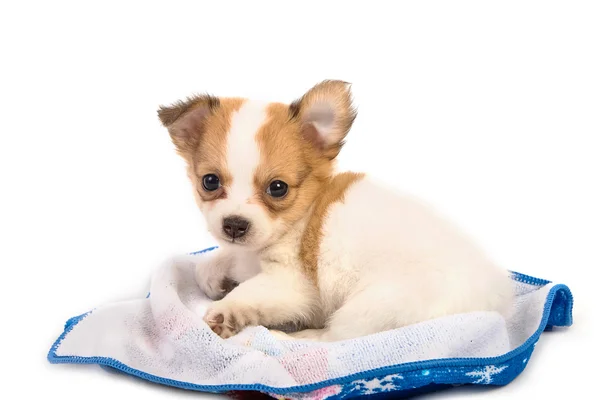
336, 254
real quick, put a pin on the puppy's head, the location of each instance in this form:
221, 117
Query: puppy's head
256, 168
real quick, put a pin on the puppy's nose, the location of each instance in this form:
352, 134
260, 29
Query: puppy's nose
235, 227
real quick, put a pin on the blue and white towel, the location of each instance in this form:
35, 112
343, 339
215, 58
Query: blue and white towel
162, 338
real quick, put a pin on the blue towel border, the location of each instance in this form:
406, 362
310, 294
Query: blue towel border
397, 380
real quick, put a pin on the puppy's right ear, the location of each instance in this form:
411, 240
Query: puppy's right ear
326, 114
186, 120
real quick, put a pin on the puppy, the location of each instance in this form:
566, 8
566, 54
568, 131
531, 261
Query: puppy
336, 254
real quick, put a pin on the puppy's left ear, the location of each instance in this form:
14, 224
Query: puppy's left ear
326, 114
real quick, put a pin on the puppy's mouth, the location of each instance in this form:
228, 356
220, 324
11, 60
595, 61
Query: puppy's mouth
236, 241
245, 240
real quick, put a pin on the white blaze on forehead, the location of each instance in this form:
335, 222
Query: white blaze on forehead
242, 149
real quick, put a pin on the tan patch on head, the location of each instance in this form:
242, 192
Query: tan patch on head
199, 127
287, 156
210, 156
313, 234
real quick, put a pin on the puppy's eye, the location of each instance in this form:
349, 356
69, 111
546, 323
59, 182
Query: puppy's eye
210, 182
277, 189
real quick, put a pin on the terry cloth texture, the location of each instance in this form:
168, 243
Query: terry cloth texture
162, 338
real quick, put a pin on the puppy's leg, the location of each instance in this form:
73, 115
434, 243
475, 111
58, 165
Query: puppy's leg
385, 305
272, 298
212, 272
366, 312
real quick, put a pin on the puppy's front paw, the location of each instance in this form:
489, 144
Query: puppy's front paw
211, 276
227, 319
216, 287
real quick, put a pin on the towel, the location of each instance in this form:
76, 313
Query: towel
163, 339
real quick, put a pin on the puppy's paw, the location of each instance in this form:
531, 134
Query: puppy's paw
226, 319
211, 276
216, 287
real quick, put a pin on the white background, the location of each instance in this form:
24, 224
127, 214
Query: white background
488, 110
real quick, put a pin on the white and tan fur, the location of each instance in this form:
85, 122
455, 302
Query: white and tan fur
339, 255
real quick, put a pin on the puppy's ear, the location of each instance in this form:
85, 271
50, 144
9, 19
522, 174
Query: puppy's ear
326, 114
186, 120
